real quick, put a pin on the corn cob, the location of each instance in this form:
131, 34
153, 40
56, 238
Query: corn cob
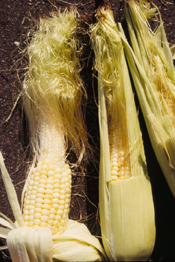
52, 95
125, 196
151, 65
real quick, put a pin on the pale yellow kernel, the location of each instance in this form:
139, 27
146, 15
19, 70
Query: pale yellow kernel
55, 200
46, 206
48, 196
49, 226
31, 211
35, 187
51, 173
66, 185
58, 170
63, 191
62, 197
39, 204
51, 166
68, 190
66, 206
68, 195
26, 217
52, 216
56, 180
26, 223
39, 200
43, 176
43, 224
45, 212
61, 229
51, 222
41, 190
40, 185
63, 181
66, 179
37, 210
36, 176
25, 212
47, 201
54, 230
56, 206
43, 172
31, 203
31, 183
30, 223
49, 191
49, 186
37, 215
114, 178
44, 167
60, 212
50, 181
61, 202
56, 223
33, 192
64, 173
32, 197
58, 176
62, 186
62, 222
28, 192
31, 218
56, 195
67, 200
36, 222
56, 190
26, 201
114, 173
52, 211
61, 207
35, 183
30, 206
42, 181
44, 218
56, 185
58, 217
39, 195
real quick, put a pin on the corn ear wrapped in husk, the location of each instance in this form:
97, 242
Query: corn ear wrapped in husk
125, 196
151, 64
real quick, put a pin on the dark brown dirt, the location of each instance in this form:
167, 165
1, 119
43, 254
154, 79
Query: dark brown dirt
14, 24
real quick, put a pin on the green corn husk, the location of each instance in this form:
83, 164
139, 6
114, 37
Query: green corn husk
125, 202
153, 73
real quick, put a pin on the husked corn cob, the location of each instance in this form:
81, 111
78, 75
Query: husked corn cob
52, 95
125, 197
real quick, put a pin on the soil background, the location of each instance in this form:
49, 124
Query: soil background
15, 18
